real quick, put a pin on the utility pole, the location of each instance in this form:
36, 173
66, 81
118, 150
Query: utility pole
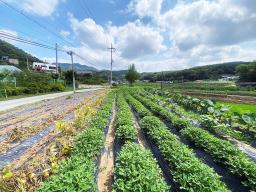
27, 64
73, 72
57, 66
112, 50
162, 79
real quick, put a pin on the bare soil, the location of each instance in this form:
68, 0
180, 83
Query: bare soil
223, 97
42, 116
106, 165
141, 137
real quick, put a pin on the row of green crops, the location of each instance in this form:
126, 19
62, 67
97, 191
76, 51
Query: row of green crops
138, 106
187, 170
247, 121
205, 121
163, 112
236, 161
78, 172
137, 170
225, 153
125, 129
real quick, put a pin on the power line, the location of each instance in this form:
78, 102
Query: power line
11, 37
36, 22
22, 40
27, 35
81, 57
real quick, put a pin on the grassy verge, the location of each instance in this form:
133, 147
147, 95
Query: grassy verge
239, 107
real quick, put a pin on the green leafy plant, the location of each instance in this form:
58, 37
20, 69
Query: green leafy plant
226, 153
137, 170
125, 129
188, 171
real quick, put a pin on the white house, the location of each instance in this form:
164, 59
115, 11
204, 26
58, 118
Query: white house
45, 67
9, 60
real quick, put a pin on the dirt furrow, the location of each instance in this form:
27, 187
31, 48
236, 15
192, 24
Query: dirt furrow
17, 134
106, 163
141, 137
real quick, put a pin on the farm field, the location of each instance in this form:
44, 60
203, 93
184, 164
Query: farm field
34, 138
128, 96
131, 139
239, 107
215, 90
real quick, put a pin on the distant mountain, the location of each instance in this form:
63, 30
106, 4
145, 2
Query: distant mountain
7, 49
78, 67
213, 71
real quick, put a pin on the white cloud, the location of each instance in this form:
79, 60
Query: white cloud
222, 22
89, 33
191, 33
201, 32
135, 40
42, 8
144, 8
64, 33
132, 40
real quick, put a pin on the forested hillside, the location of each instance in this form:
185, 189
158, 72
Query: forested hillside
213, 72
78, 67
7, 49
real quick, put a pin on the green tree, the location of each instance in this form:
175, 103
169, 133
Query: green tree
132, 74
247, 73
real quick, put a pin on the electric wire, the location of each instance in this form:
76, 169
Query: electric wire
35, 21
22, 40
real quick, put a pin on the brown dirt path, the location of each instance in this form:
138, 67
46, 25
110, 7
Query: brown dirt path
141, 138
106, 166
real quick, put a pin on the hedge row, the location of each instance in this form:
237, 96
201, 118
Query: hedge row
11, 91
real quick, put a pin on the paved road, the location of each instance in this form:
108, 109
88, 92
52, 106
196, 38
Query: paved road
6, 105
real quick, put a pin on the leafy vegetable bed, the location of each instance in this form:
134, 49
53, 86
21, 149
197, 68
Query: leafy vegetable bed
187, 170
225, 153
125, 129
136, 170
206, 121
222, 151
77, 173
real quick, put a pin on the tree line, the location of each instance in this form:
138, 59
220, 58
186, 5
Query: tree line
246, 71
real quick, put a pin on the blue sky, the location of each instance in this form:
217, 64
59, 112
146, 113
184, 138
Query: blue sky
154, 34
